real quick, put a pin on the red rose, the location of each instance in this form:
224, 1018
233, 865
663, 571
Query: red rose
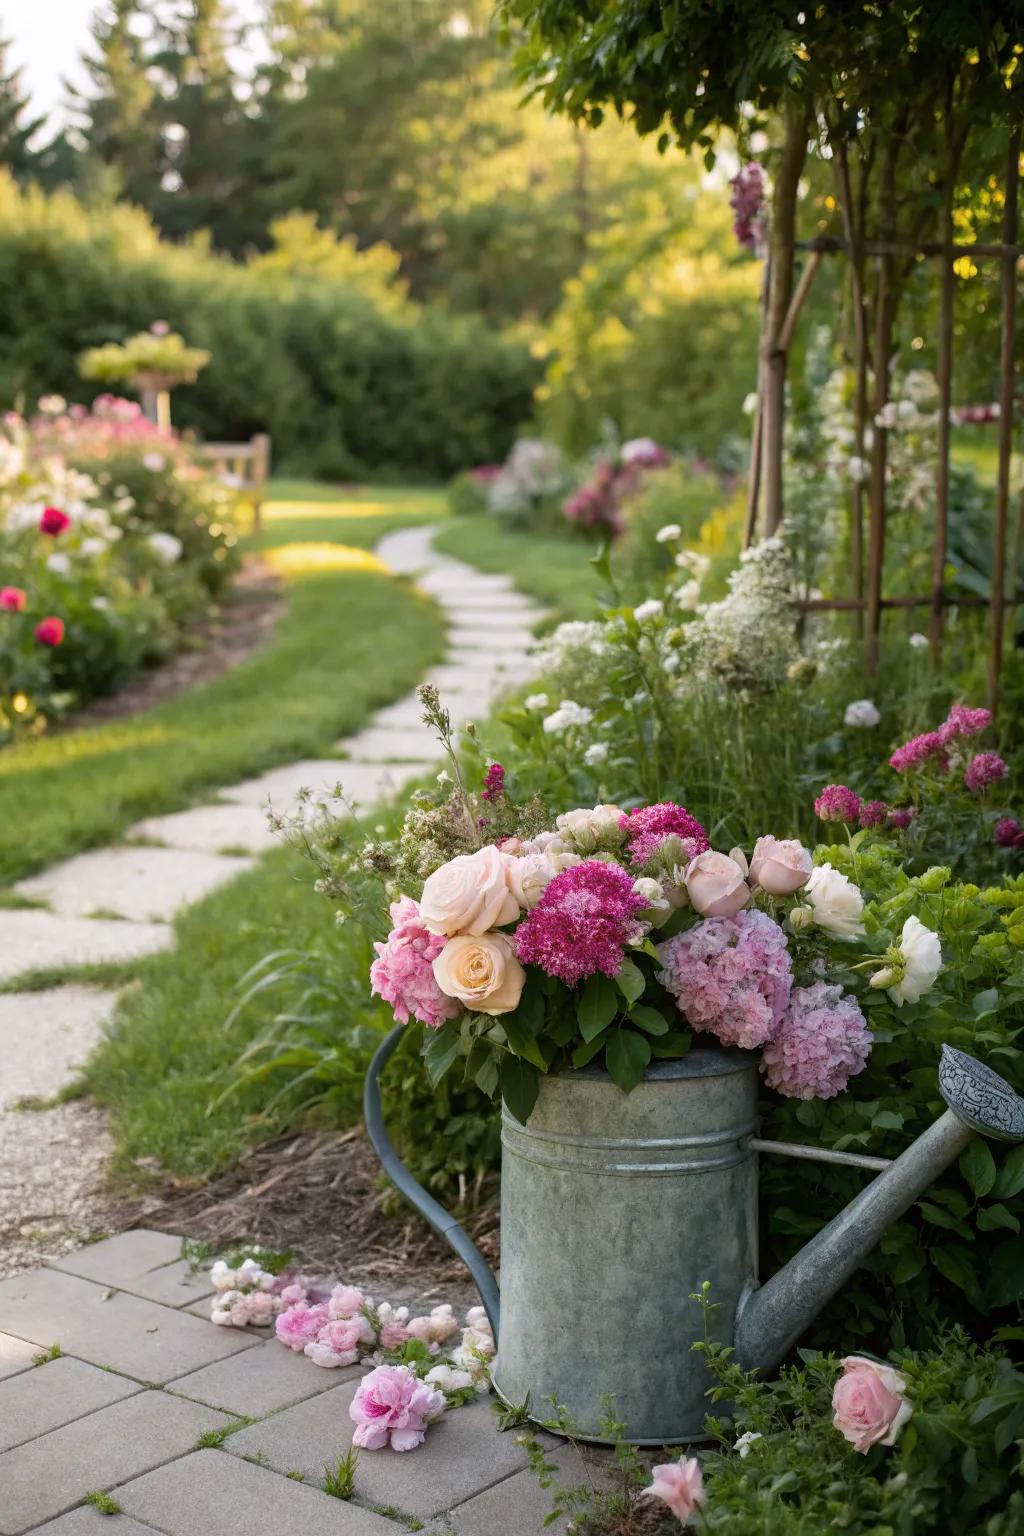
12, 599
53, 521
50, 631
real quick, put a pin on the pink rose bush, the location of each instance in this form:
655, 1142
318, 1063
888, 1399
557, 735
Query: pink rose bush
869, 1403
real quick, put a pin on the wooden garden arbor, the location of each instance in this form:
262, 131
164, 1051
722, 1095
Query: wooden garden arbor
867, 600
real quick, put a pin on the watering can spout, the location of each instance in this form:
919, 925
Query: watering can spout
772, 1318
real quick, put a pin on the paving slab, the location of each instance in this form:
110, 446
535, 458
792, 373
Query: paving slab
260, 1381
462, 1455
15, 1355
210, 829
33, 940
210, 1494
146, 1263
54, 1394
44, 1036
139, 1338
363, 783
386, 744
143, 884
519, 1503
50, 1475
409, 550
87, 1521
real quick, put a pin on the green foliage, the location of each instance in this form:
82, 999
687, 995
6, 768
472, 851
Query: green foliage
340, 1475
102, 1502
466, 497
143, 353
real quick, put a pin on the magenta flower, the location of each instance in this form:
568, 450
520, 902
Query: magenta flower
1009, 833
391, 1404
494, 783
747, 204
299, 1325
822, 1042
582, 923
731, 976
963, 721
873, 813
648, 826
915, 753
900, 817
984, 769
402, 973
837, 803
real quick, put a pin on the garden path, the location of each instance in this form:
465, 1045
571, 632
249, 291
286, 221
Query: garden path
117, 903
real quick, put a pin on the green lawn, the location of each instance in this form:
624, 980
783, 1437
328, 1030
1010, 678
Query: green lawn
547, 566
352, 638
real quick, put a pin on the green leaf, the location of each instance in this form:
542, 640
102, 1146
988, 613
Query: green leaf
955, 1264
520, 1084
440, 1050
630, 981
986, 1002
648, 1019
1006, 1274
597, 1006
676, 1043
1010, 1178
993, 1216
626, 1055
522, 1043
978, 1167
584, 1053
909, 1264
487, 1077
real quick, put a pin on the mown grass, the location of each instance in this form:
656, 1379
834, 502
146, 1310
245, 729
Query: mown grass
352, 638
547, 566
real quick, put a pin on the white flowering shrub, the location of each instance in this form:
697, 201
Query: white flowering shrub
533, 478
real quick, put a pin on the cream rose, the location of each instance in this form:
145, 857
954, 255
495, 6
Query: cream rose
715, 885
586, 830
780, 865
528, 876
481, 972
469, 894
836, 902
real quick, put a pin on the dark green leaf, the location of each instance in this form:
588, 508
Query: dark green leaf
520, 1084
648, 1019
978, 1166
584, 1053
1006, 1274
676, 1043
630, 981
597, 1006
992, 1216
1010, 1178
626, 1055
440, 1050
522, 1043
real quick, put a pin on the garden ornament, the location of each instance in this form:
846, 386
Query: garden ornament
616, 1209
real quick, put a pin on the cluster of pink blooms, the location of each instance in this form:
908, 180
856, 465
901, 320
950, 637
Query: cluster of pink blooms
961, 722
821, 1043
839, 803
731, 976
1009, 833
583, 922
50, 630
111, 425
599, 503
648, 826
984, 769
494, 783
747, 204
403, 972
975, 415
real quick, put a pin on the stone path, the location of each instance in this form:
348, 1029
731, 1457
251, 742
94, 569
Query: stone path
195, 1430
117, 904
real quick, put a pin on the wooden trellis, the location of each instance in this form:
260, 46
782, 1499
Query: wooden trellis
867, 601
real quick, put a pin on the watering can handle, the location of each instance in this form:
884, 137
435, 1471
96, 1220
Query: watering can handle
442, 1221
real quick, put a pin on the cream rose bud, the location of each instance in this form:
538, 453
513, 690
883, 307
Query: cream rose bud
481, 972
528, 876
469, 894
836, 902
780, 865
587, 828
715, 885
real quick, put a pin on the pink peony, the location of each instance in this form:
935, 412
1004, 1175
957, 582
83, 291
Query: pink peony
963, 721
340, 1341
403, 974
648, 826
837, 803
731, 976
298, 1325
915, 753
873, 813
292, 1293
12, 599
821, 1043
680, 1485
392, 1404
49, 631
984, 769
869, 1406
582, 923
346, 1301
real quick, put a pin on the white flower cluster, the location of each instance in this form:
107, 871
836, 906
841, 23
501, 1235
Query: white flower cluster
747, 639
534, 470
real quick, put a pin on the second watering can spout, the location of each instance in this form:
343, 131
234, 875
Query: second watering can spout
773, 1317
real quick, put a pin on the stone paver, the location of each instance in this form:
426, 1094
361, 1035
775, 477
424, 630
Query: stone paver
210, 1494
462, 1454
62, 1024
15, 1355
386, 744
86, 1521
54, 1394
34, 940
49, 1475
259, 1381
210, 829
363, 783
140, 1338
147, 1264
136, 883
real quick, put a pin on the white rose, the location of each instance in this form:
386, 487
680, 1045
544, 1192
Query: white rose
482, 972
557, 850
469, 894
448, 1379
586, 830
836, 902
528, 876
922, 957
166, 546
862, 712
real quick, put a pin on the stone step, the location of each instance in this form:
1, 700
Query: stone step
32, 941
210, 829
140, 884
363, 784
44, 1036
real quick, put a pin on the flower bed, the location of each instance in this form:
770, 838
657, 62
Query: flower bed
112, 540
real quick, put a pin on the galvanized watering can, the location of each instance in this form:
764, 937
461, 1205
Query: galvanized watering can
615, 1208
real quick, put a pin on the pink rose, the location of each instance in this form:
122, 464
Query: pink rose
293, 1293
680, 1485
481, 972
438, 1328
299, 1325
392, 1332
393, 1404
869, 1403
780, 865
346, 1301
340, 1342
469, 894
715, 885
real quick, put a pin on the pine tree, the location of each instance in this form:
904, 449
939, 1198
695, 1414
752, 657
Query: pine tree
17, 129
116, 110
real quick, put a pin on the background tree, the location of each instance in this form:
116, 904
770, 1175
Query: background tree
117, 120
17, 126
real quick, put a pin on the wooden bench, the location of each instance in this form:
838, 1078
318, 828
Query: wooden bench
244, 466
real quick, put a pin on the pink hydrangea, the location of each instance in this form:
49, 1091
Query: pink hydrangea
963, 721
915, 753
340, 1341
648, 826
873, 813
299, 1325
402, 973
837, 803
582, 923
392, 1404
984, 769
822, 1042
731, 976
